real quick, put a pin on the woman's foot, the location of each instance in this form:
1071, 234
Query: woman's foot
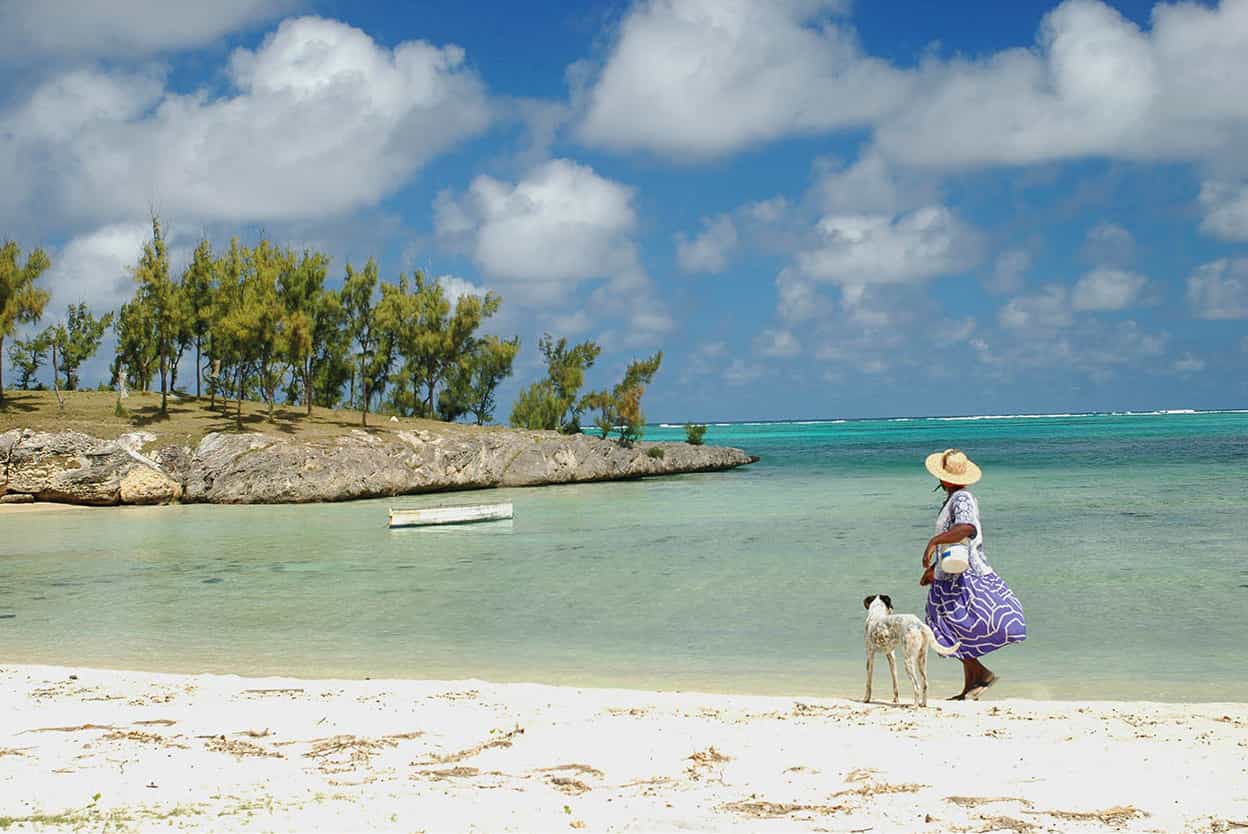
978, 689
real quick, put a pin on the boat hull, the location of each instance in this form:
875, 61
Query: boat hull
432, 516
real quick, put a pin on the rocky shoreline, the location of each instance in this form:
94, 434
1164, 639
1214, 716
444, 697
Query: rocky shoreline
224, 468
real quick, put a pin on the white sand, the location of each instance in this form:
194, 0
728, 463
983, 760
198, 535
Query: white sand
36, 507
216, 753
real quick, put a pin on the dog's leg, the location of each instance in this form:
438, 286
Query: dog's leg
892, 670
922, 664
912, 672
870, 671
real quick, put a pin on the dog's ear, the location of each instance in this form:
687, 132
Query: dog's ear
887, 601
866, 603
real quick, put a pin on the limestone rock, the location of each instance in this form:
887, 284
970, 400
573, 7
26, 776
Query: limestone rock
17, 498
143, 485
69, 467
259, 469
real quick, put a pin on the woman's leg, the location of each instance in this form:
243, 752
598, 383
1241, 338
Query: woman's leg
968, 677
975, 675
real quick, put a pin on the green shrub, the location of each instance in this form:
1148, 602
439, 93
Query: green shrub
694, 433
655, 452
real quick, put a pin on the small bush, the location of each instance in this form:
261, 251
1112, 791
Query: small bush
655, 452
694, 432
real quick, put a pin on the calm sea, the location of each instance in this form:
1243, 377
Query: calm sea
1125, 537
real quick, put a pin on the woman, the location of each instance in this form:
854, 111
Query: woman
975, 608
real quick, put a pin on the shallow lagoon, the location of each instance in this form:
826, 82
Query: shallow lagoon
1123, 535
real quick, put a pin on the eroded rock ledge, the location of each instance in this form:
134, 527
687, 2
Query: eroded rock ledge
76, 468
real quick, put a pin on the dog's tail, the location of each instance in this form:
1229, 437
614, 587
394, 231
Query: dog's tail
940, 650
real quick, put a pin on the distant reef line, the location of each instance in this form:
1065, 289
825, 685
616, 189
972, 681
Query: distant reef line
71, 467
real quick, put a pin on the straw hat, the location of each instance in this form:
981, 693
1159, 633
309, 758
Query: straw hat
953, 467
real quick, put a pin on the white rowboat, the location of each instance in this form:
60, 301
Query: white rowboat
465, 514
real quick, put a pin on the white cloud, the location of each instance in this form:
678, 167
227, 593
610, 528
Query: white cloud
95, 268
1219, 290
558, 226
320, 120
543, 236
1094, 349
456, 288
709, 251
704, 357
780, 344
1107, 289
703, 78
1095, 85
1189, 364
1009, 272
767, 211
573, 324
740, 372
1047, 310
857, 251
1226, 210
798, 299
122, 28
872, 185
1108, 244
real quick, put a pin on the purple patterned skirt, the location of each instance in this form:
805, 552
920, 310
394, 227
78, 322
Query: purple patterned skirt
977, 609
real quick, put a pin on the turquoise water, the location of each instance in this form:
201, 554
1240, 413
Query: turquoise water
1123, 535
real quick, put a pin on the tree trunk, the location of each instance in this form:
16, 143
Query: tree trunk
364, 410
1, 369
60, 401
164, 378
353, 387
239, 414
307, 383
197, 367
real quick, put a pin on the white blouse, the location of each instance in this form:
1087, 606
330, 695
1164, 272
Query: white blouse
962, 508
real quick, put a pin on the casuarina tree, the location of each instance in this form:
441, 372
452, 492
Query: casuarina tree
21, 302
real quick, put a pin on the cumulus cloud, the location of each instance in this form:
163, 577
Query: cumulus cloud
1188, 364
1094, 349
573, 324
1219, 290
319, 120
855, 251
96, 268
740, 372
1226, 210
1108, 244
1047, 310
798, 298
703, 78
456, 288
871, 185
780, 344
1107, 289
553, 230
556, 227
1009, 271
122, 28
709, 251
1095, 85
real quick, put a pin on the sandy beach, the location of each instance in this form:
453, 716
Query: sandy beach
85, 749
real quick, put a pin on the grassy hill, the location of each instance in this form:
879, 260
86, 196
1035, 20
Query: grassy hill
189, 419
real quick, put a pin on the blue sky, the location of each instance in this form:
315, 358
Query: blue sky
814, 208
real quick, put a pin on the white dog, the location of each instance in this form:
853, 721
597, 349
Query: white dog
886, 631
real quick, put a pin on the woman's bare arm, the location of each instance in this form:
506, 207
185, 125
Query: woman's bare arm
954, 534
